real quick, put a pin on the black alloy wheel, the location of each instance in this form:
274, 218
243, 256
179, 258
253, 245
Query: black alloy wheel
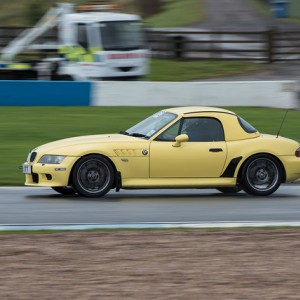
93, 176
261, 175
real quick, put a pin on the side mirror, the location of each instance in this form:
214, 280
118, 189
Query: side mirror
182, 138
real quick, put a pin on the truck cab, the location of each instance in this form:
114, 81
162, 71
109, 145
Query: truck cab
102, 45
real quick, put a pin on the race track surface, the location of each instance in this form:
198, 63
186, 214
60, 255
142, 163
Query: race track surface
29, 206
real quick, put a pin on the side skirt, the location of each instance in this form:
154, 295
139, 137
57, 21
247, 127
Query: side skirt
177, 182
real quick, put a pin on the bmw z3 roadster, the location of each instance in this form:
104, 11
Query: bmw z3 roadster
186, 147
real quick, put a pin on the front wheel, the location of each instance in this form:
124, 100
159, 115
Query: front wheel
93, 176
261, 175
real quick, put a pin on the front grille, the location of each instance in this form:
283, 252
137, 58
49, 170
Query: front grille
35, 178
32, 156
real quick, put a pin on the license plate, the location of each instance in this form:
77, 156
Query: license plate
26, 169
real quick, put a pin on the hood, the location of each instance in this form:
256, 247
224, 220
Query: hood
72, 146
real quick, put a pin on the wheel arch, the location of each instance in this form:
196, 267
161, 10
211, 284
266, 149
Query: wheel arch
99, 154
239, 176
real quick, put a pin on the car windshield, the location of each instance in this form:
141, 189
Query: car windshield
122, 35
151, 125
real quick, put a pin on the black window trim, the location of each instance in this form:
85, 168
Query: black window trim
240, 119
188, 118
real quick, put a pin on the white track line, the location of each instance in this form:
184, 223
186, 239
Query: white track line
294, 185
149, 225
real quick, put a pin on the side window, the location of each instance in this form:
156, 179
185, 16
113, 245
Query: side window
203, 129
169, 134
82, 35
246, 126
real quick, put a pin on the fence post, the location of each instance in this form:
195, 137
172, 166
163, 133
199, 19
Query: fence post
179, 44
270, 45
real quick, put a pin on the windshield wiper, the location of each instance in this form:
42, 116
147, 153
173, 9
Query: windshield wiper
124, 132
136, 134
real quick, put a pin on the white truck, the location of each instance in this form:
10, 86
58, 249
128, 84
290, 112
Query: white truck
91, 43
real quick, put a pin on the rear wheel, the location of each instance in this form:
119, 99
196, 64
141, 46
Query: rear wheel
262, 175
93, 176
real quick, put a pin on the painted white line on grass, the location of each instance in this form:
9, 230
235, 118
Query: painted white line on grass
149, 225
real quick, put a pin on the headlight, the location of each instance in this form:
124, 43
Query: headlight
32, 155
52, 159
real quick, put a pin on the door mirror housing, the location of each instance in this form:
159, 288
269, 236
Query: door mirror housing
182, 138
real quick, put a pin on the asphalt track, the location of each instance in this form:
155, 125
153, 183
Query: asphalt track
34, 206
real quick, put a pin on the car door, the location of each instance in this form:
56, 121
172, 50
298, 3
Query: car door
203, 155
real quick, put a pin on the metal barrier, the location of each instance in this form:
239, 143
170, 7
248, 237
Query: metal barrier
281, 94
44, 93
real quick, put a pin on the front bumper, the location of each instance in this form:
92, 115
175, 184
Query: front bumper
292, 167
50, 174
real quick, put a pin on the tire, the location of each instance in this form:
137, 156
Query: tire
64, 190
261, 175
230, 190
93, 176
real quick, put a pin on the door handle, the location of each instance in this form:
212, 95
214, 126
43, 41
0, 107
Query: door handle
215, 150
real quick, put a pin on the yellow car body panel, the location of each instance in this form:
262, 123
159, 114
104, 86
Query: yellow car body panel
178, 183
282, 148
151, 163
187, 161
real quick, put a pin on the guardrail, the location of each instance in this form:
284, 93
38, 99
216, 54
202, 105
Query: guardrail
280, 94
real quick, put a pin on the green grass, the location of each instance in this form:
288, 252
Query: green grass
177, 13
16, 13
24, 128
181, 70
174, 13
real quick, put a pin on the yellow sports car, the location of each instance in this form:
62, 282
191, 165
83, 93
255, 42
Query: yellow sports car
183, 147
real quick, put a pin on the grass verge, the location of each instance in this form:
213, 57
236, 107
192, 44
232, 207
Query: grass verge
181, 70
24, 128
177, 13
